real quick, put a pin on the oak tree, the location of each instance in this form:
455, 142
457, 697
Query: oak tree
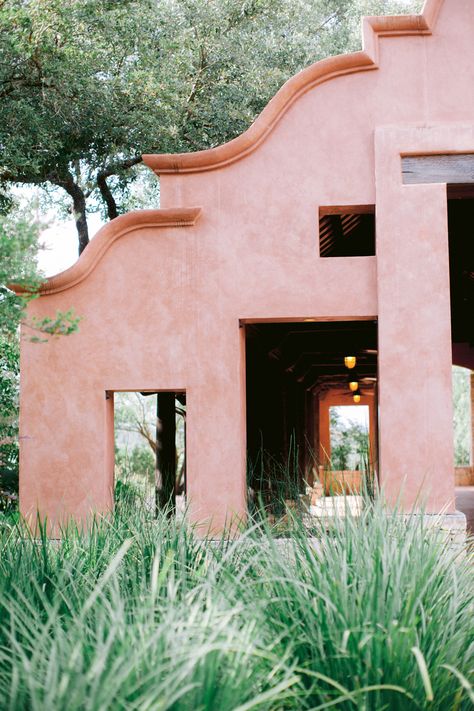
87, 86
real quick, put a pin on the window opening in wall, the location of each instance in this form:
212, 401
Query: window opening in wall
347, 231
150, 450
463, 390
349, 437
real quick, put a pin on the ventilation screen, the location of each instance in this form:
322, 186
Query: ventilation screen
347, 231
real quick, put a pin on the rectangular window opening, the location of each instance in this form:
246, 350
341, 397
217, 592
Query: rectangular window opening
150, 451
349, 437
347, 231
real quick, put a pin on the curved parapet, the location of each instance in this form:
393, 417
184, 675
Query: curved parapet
107, 235
304, 81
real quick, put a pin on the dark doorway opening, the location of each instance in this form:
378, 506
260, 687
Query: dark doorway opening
461, 267
150, 448
461, 274
295, 372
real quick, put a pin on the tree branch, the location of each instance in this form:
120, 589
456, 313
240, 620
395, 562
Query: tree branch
65, 181
7, 176
105, 191
107, 197
78, 205
119, 165
12, 83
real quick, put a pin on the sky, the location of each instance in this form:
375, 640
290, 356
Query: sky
354, 414
59, 242
58, 239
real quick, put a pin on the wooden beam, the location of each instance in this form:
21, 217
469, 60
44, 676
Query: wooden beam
347, 210
447, 168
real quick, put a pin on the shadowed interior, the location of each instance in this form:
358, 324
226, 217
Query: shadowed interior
291, 367
461, 266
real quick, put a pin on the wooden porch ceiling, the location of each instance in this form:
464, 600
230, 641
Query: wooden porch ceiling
313, 353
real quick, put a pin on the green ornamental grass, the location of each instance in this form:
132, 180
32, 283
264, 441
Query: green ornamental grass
374, 613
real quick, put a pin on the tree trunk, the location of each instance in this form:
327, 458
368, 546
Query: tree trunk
79, 208
166, 453
114, 168
107, 196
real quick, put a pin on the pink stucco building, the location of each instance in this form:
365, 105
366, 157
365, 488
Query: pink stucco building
340, 223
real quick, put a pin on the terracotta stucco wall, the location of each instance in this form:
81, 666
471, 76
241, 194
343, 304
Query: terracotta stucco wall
161, 309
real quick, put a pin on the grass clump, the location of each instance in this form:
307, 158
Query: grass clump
375, 613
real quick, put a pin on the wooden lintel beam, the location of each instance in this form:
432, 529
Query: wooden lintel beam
444, 168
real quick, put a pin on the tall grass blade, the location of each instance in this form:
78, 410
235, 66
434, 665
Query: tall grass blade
420, 660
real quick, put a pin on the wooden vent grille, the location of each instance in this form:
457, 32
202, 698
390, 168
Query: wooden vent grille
347, 231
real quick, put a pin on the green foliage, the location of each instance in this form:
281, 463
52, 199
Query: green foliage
461, 414
130, 492
273, 481
18, 250
135, 414
139, 615
349, 443
9, 382
87, 87
140, 461
62, 324
18, 266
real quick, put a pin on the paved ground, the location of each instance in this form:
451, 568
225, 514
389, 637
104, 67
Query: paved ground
465, 503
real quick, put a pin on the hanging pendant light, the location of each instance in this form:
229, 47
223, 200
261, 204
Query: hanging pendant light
356, 397
350, 361
353, 384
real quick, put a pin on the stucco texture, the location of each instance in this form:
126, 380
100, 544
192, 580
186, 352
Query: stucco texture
162, 301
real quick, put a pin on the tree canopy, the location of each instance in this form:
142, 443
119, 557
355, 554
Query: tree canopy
87, 87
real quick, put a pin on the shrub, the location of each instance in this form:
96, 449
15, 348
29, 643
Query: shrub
135, 614
139, 462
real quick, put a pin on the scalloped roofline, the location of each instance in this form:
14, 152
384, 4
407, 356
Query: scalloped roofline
322, 71
104, 239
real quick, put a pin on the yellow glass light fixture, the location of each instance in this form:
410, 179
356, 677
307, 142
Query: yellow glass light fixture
350, 362
353, 385
356, 397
